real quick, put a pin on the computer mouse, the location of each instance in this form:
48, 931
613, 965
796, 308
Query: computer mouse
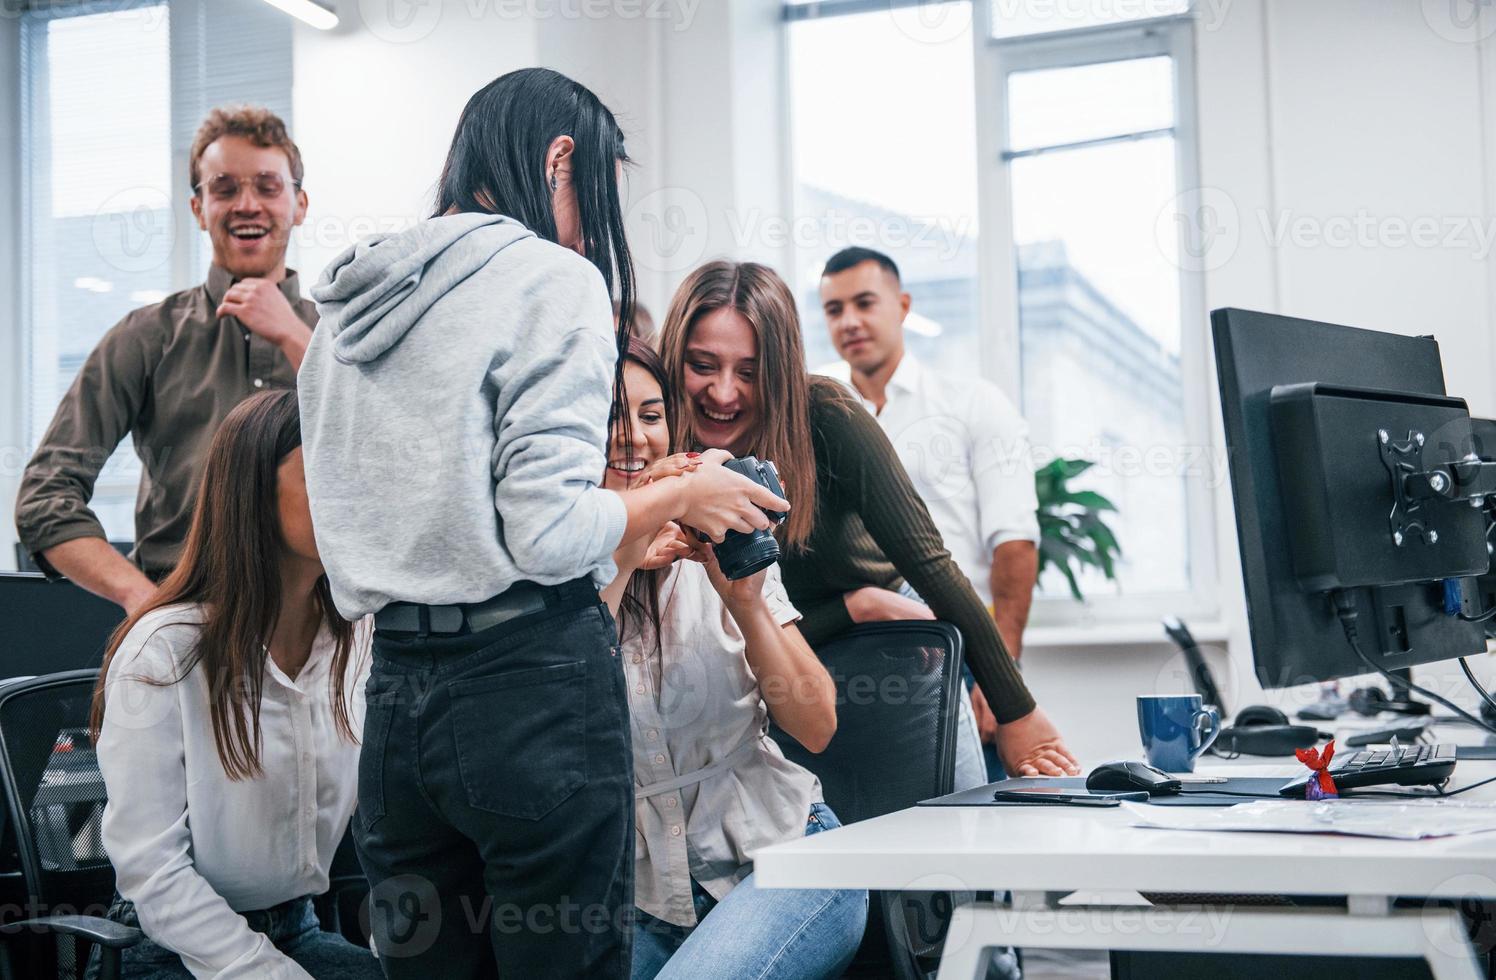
1123, 776
1260, 714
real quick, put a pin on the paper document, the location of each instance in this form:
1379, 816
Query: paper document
1411, 820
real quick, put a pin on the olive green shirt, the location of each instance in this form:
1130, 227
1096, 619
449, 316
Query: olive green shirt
165, 375
871, 528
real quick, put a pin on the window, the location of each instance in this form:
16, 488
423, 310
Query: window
1093, 153
880, 161
111, 97
1025, 173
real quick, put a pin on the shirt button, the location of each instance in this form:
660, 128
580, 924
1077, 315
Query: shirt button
670, 803
659, 759
639, 689
638, 659
675, 831
259, 382
653, 733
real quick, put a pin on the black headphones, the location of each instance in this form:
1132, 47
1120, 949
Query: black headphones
1371, 700
1262, 730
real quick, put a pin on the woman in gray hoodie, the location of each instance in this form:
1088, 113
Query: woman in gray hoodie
455, 403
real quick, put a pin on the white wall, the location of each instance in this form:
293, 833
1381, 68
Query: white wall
375, 104
12, 442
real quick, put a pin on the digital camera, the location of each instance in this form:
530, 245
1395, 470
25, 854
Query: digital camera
739, 554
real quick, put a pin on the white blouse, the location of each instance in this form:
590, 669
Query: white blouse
711, 786
192, 848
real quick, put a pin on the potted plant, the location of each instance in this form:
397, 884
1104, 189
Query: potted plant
1072, 533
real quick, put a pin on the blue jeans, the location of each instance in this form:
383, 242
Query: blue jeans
293, 928
756, 933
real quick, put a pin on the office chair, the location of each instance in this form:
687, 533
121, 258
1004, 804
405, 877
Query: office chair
895, 744
54, 799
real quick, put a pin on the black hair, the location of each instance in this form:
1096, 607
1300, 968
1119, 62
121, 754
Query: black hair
856, 255
497, 166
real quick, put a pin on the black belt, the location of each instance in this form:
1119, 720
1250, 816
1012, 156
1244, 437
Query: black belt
520, 599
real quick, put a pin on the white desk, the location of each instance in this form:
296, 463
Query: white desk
1042, 854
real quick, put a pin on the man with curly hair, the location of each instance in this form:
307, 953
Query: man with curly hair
167, 374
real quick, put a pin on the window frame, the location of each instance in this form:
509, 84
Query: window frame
998, 355
34, 141
996, 60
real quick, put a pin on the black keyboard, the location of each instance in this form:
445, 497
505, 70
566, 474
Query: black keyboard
1407, 765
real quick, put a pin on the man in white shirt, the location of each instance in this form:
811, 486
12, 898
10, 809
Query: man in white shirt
963, 442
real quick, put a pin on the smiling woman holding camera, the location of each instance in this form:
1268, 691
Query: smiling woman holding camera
708, 661
732, 347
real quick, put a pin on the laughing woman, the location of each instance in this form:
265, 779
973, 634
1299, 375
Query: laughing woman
732, 346
708, 662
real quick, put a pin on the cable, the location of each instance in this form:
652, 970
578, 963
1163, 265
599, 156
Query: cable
1466, 789
1227, 792
1470, 676
1345, 608
1484, 617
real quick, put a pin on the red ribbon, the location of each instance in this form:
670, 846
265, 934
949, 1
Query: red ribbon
1319, 763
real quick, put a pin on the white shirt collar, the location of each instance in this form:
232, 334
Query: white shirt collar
907, 375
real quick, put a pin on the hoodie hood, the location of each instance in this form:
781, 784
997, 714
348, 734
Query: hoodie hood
373, 293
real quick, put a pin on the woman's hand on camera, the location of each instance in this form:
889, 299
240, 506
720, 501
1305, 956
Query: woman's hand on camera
670, 545
735, 595
678, 464
717, 500
1032, 746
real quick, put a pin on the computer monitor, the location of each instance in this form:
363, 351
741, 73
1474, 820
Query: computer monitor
1354, 475
50, 626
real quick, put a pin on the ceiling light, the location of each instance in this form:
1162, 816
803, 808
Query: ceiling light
311, 12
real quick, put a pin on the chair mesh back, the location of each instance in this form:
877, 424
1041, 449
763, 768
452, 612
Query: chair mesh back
896, 687
55, 795
895, 718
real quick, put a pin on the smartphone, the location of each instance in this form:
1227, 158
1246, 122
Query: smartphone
1056, 796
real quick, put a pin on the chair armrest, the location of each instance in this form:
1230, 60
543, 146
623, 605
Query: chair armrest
95, 929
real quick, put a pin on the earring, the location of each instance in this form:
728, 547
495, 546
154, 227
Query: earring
553, 180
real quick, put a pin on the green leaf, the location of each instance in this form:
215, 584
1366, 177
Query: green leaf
1088, 498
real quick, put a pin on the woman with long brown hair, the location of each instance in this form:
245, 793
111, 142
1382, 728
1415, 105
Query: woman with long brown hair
708, 661
224, 717
732, 346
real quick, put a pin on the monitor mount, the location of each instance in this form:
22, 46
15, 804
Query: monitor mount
1415, 486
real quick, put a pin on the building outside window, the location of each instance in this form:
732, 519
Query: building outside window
1025, 175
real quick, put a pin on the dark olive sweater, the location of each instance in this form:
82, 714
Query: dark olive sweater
872, 529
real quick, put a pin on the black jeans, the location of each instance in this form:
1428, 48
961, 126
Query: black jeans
496, 800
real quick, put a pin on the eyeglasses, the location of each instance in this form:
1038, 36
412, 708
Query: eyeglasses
267, 185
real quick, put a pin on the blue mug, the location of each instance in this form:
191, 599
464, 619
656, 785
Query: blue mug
1175, 730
